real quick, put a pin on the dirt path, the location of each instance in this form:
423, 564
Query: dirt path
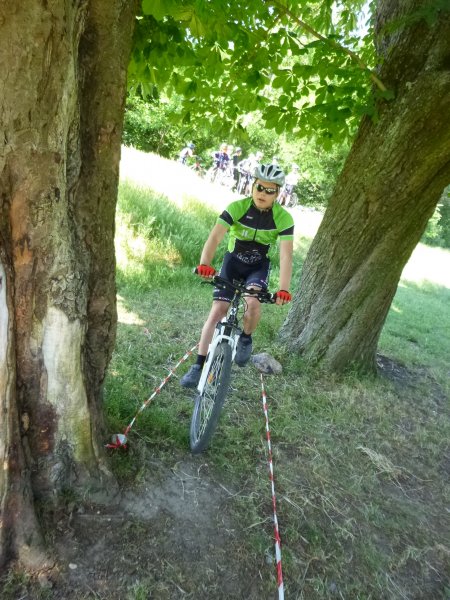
173, 537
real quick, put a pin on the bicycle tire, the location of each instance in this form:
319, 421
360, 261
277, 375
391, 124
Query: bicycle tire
208, 404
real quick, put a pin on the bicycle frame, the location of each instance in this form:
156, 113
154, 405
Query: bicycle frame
228, 329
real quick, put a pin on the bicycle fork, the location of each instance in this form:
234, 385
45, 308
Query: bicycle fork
219, 336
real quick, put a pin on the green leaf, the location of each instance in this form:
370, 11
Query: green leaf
156, 8
253, 79
284, 100
181, 13
278, 82
196, 27
162, 8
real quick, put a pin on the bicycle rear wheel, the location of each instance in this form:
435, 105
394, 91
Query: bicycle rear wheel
208, 404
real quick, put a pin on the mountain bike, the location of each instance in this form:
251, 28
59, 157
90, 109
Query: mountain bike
287, 196
244, 186
198, 168
215, 378
216, 174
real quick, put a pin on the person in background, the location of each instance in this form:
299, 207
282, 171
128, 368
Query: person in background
236, 159
257, 160
187, 151
247, 168
291, 181
221, 157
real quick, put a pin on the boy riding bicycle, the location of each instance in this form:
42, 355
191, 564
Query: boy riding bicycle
253, 224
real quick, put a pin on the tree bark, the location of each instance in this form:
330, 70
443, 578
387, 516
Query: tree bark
387, 191
63, 79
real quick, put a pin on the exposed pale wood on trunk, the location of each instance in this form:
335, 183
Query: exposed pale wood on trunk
63, 78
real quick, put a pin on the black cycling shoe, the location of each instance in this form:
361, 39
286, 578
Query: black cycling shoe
192, 377
243, 352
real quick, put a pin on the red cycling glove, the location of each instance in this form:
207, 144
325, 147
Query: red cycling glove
205, 271
284, 295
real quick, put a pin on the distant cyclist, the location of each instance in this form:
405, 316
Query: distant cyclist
236, 159
188, 151
287, 190
254, 224
221, 157
247, 168
255, 162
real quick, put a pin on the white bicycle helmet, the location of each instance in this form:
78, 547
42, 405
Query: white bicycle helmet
271, 173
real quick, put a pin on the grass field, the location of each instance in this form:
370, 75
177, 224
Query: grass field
361, 464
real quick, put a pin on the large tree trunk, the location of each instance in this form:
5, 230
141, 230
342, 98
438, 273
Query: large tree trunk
389, 187
63, 78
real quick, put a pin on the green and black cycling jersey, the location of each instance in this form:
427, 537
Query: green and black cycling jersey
252, 232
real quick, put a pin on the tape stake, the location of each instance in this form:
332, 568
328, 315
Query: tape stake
274, 500
118, 439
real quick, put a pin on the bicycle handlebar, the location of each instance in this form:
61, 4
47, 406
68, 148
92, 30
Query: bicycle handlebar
262, 295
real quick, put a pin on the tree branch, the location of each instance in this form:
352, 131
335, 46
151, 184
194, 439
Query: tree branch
332, 42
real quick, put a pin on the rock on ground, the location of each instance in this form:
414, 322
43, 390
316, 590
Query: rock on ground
267, 364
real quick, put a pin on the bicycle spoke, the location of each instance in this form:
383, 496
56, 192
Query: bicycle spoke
210, 392
209, 402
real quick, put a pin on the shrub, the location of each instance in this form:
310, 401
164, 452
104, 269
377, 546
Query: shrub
437, 232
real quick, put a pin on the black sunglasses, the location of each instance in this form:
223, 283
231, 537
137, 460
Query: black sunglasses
269, 191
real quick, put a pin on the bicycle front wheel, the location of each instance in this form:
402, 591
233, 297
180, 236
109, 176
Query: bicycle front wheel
208, 404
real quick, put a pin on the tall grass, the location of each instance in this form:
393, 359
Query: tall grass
361, 464
156, 240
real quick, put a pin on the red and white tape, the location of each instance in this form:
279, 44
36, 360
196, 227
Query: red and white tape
274, 501
119, 440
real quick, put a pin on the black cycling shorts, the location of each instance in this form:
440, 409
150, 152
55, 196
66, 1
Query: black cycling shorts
250, 274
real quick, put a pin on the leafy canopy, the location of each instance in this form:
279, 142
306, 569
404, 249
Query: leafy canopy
305, 65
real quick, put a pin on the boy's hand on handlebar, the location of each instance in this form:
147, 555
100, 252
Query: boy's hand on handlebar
205, 271
282, 297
